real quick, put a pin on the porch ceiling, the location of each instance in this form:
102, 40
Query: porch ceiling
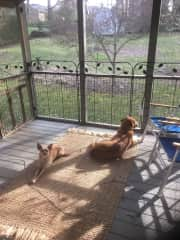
10, 3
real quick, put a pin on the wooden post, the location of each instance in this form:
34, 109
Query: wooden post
22, 103
1, 134
156, 9
82, 50
26, 53
11, 111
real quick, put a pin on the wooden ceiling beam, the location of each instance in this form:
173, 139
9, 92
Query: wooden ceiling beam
10, 3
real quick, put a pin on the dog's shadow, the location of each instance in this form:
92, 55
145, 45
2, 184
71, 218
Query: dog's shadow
87, 164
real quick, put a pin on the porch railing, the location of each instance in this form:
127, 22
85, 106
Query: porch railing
114, 90
14, 103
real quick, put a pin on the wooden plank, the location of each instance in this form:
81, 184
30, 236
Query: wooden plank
22, 104
29, 135
128, 216
150, 185
52, 125
12, 90
170, 202
1, 134
43, 133
18, 153
36, 132
115, 236
144, 221
141, 206
11, 165
133, 231
2, 181
139, 182
48, 128
35, 129
20, 77
19, 160
32, 140
32, 143
11, 110
9, 3
8, 173
18, 147
162, 105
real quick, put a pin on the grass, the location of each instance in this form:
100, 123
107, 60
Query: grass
168, 49
58, 100
5, 116
63, 102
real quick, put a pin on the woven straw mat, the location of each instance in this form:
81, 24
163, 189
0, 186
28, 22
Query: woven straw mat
75, 199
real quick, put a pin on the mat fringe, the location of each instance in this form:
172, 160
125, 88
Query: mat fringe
88, 132
19, 233
136, 139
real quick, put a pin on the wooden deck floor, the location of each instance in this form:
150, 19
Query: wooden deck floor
158, 216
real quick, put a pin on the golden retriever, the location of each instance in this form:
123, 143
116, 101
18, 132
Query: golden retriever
117, 145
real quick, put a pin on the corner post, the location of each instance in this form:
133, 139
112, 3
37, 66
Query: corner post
26, 53
82, 53
156, 10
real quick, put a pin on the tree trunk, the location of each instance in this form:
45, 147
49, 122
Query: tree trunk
49, 10
27, 10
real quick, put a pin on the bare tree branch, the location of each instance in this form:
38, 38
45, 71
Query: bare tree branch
126, 41
116, 23
49, 4
101, 40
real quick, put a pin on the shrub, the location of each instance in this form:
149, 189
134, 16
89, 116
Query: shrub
9, 32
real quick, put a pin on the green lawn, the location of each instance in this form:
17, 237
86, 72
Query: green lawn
168, 49
63, 102
59, 101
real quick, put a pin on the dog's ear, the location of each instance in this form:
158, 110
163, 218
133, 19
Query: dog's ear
50, 146
39, 147
133, 122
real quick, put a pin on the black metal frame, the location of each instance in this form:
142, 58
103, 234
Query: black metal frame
54, 76
156, 10
134, 75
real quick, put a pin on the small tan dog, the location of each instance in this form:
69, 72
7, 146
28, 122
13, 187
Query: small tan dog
117, 145
47, 156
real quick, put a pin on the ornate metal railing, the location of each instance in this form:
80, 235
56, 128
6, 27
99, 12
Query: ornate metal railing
11, 69
113, 90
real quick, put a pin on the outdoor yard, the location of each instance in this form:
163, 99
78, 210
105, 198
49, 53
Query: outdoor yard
57, 48
108, 99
